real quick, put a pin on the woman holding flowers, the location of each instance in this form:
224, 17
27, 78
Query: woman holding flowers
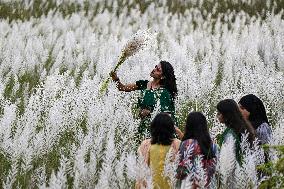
161, 90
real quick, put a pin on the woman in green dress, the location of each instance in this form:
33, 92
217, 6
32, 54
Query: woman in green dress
161, 90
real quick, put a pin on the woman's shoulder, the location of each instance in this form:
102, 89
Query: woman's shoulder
145, 144
175, 144
188, 142
144, 147
264, 126
176, 141
189, 148
263, 133
143, 150
264, 129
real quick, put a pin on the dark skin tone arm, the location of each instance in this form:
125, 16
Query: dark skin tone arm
179, 133
123, 87
128, 88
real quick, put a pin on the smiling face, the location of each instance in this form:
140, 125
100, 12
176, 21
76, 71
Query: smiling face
244, 112
157, 72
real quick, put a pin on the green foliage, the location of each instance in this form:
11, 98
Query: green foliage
28, 81
9, 87
80, 73
274, 170
182, 114
5, 166
49, 62
219, 75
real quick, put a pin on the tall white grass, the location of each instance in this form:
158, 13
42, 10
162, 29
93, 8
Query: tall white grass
56, 132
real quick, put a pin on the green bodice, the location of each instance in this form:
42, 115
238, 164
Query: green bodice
151, 98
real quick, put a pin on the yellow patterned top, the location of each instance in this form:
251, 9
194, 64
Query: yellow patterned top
157, 161
154, 156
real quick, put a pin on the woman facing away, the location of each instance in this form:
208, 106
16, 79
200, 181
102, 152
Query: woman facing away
253, 110
162, 88
155, 150
228, 113
196, 142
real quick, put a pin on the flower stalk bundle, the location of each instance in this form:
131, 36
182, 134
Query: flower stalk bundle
137, 43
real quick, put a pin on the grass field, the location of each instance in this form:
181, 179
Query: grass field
55, 129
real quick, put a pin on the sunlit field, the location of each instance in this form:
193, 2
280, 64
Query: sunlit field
57, 131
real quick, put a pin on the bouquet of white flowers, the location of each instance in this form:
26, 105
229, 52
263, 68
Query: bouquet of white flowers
137, 43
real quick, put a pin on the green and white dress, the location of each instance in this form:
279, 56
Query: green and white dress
150, 99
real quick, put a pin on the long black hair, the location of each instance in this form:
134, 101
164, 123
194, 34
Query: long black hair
196, 128
162, 129
234, 119
169, 80
256, 109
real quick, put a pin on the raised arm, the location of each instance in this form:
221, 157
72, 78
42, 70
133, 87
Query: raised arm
121, 86
179, 133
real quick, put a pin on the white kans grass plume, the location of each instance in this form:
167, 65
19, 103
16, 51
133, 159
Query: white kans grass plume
137, 43
144, 177
227, 162
59, 179
246, 175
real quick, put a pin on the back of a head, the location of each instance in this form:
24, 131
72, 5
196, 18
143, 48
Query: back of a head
196, 125
169, 80
162, 129
232, 115
196, 128
256, 108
